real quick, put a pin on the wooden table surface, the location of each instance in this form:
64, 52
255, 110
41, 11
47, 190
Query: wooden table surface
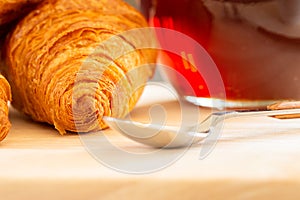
255, 158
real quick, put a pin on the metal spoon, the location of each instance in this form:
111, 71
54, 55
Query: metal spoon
162, 136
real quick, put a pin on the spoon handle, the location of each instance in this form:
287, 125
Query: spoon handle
283, 106
281, 110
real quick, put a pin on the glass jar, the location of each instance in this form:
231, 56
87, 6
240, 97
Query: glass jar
255, 45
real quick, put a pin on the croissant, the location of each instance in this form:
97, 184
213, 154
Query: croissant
11, 10
5, 96
61, 65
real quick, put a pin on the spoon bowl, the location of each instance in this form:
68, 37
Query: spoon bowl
162, 136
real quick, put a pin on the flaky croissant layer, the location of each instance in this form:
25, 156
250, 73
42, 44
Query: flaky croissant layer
60, 71
5, 96
13, 10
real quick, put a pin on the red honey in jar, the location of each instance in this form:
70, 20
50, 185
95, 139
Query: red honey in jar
254, 44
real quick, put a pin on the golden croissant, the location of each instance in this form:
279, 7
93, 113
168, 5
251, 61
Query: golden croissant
64, 66
5, 96
12, 10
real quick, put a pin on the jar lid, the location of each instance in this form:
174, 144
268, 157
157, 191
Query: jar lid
274, 16
271, 17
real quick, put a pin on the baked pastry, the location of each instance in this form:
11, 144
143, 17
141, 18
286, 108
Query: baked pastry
5, 96
11, 10
62, 64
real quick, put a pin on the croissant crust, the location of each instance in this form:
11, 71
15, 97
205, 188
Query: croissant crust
5, 96
60, 74
12, 10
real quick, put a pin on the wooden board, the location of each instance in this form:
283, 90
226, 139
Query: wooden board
256, 158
